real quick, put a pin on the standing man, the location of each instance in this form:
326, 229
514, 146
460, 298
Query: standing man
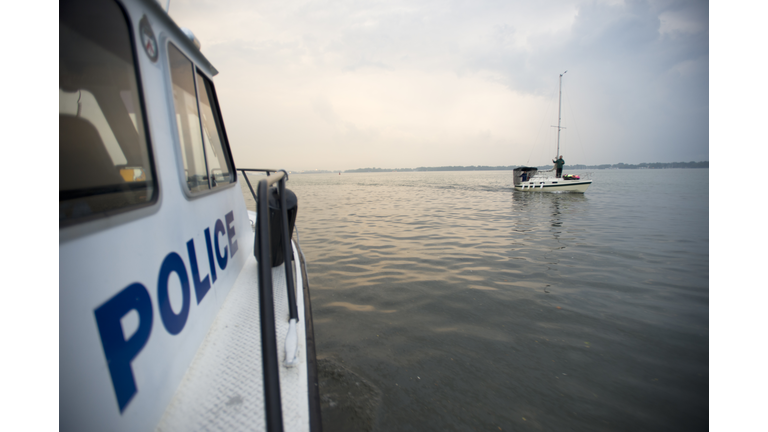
559, 164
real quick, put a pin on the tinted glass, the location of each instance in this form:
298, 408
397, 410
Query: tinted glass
187, 120
219, 168
104, 159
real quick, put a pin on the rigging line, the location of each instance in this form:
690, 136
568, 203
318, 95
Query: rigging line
538, 132
578, 136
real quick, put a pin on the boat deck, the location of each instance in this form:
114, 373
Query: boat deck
223, 388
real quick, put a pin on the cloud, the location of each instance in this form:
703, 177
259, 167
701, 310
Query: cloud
410, 83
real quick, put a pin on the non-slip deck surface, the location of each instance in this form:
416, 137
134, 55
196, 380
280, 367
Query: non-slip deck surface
223, 389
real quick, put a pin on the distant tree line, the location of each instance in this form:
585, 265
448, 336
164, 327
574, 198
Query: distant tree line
366, 170
643, 165
467, 168
313, 172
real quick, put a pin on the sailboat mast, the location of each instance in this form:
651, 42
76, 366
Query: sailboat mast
559, 110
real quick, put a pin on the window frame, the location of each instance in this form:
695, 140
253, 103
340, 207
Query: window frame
218, 118
87, 220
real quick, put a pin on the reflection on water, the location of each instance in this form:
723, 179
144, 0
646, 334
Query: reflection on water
359, 308
513, 309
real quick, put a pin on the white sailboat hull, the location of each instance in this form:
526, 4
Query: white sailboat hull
554, 185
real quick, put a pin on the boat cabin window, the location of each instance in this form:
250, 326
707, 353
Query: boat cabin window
105, 163
205, 155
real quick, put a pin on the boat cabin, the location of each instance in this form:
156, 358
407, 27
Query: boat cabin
523, 174
171, 315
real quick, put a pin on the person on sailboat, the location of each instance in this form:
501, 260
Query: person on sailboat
559, 164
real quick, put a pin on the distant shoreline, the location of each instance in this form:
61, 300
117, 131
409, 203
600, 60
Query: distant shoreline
655, 165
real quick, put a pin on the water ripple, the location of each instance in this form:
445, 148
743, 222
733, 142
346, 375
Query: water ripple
575, 311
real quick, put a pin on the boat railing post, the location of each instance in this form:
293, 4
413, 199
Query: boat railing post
270, 364
291, 339
245, 175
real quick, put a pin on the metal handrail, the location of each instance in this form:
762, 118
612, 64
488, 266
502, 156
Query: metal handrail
262, 252
264, 170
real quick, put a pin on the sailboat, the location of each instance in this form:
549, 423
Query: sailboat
529, 179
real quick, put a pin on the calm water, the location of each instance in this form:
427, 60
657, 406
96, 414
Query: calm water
475, 307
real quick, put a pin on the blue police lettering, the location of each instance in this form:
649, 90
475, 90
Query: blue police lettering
230, 218
210, 254
201, 286
219, 229
120, 352
173, 264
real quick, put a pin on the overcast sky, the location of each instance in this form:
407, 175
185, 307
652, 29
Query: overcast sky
401, 84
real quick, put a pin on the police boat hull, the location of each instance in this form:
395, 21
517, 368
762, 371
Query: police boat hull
174, 311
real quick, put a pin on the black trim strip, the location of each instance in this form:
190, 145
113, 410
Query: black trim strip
538, 186
567, 184
315, 419
65, 195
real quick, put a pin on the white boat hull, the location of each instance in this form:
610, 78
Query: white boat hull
164, 320
554, 185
